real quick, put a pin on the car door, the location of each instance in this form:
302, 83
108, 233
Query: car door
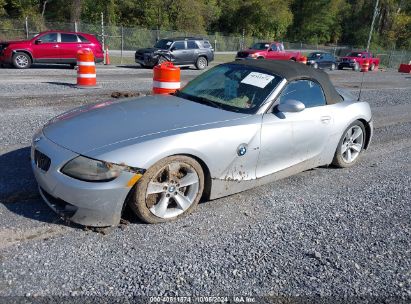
193, 51
46, 48
289, 139
69, 46
179, 53
272, 52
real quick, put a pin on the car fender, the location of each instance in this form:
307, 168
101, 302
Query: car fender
24, 50
216, 146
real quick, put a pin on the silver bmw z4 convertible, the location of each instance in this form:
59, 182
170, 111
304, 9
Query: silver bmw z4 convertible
236, 126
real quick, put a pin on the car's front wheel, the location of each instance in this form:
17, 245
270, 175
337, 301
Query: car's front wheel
201, 63
350, 146
168, 190
21, 60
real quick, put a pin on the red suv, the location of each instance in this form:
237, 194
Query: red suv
49, 47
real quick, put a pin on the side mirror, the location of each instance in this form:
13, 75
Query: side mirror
291, 105
38, 41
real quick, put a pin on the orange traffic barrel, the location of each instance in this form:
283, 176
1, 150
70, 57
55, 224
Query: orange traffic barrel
86, 73
166, 78
365, 66
303, 60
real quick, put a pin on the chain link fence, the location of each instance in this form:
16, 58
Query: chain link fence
131, 38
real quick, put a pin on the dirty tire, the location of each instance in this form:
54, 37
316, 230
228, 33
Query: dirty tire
21, 60
152, 190
355, 145
201, 63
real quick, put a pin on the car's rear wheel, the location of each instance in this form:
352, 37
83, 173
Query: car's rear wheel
201, 63
351, 145
168, 190
21, 60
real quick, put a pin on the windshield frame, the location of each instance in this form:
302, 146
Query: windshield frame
227, 107
165, 41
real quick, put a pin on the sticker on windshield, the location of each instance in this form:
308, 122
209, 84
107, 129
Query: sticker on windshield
168, 43
258, 79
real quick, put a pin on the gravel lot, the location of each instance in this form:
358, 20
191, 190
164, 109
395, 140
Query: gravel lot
330, 233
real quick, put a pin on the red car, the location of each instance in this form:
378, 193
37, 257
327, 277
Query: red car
49, 47
268, 50
354, 61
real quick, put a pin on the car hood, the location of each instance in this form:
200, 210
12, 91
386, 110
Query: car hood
150, 50
94, 126
14, 42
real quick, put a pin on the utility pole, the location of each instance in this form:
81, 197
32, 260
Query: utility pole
372, 24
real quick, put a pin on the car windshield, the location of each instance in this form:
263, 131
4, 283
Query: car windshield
314, 55
232, 87
163, 44
260, 46
354, 54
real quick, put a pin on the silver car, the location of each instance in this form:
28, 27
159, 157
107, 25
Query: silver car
237, 126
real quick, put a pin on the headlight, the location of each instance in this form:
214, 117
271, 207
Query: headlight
91, 170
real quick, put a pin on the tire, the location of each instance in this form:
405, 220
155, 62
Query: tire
340, 67
356, 67
315, 65
372, 67
332, 68
260, 58
201, 63
292, 59
21, 60
351, 146
158, 195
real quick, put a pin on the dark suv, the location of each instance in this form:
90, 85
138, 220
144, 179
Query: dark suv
180, 51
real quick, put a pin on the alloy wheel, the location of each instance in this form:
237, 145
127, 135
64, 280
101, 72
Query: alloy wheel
22, 61
352, 144
172, 190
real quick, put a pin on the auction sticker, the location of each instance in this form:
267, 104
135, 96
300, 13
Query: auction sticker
258, 79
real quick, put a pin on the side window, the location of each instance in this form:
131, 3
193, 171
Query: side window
308, 92
273, 47
207, 45
192, 44
68, 38
281, 47
179, 45
82, 39
52, 37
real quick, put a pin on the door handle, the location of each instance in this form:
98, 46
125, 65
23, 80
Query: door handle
325, 119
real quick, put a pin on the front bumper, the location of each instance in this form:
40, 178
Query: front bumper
97, 204
347, 64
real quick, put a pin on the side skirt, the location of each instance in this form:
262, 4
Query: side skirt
221, 188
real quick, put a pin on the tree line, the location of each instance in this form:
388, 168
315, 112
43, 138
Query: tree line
313, 21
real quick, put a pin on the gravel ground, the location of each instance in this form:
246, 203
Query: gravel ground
329, 233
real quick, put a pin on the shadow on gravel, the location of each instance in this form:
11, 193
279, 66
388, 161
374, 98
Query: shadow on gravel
65, 84
18, 188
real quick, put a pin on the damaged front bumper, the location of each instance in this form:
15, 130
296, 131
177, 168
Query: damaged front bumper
97, 204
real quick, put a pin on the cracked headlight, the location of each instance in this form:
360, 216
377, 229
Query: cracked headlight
91, 170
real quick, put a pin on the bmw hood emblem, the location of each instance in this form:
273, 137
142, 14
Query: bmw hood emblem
242, 149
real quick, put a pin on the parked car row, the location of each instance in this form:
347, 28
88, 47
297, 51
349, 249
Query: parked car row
61, 47
318, 60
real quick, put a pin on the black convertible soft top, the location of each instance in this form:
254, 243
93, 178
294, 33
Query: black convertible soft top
291, 70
